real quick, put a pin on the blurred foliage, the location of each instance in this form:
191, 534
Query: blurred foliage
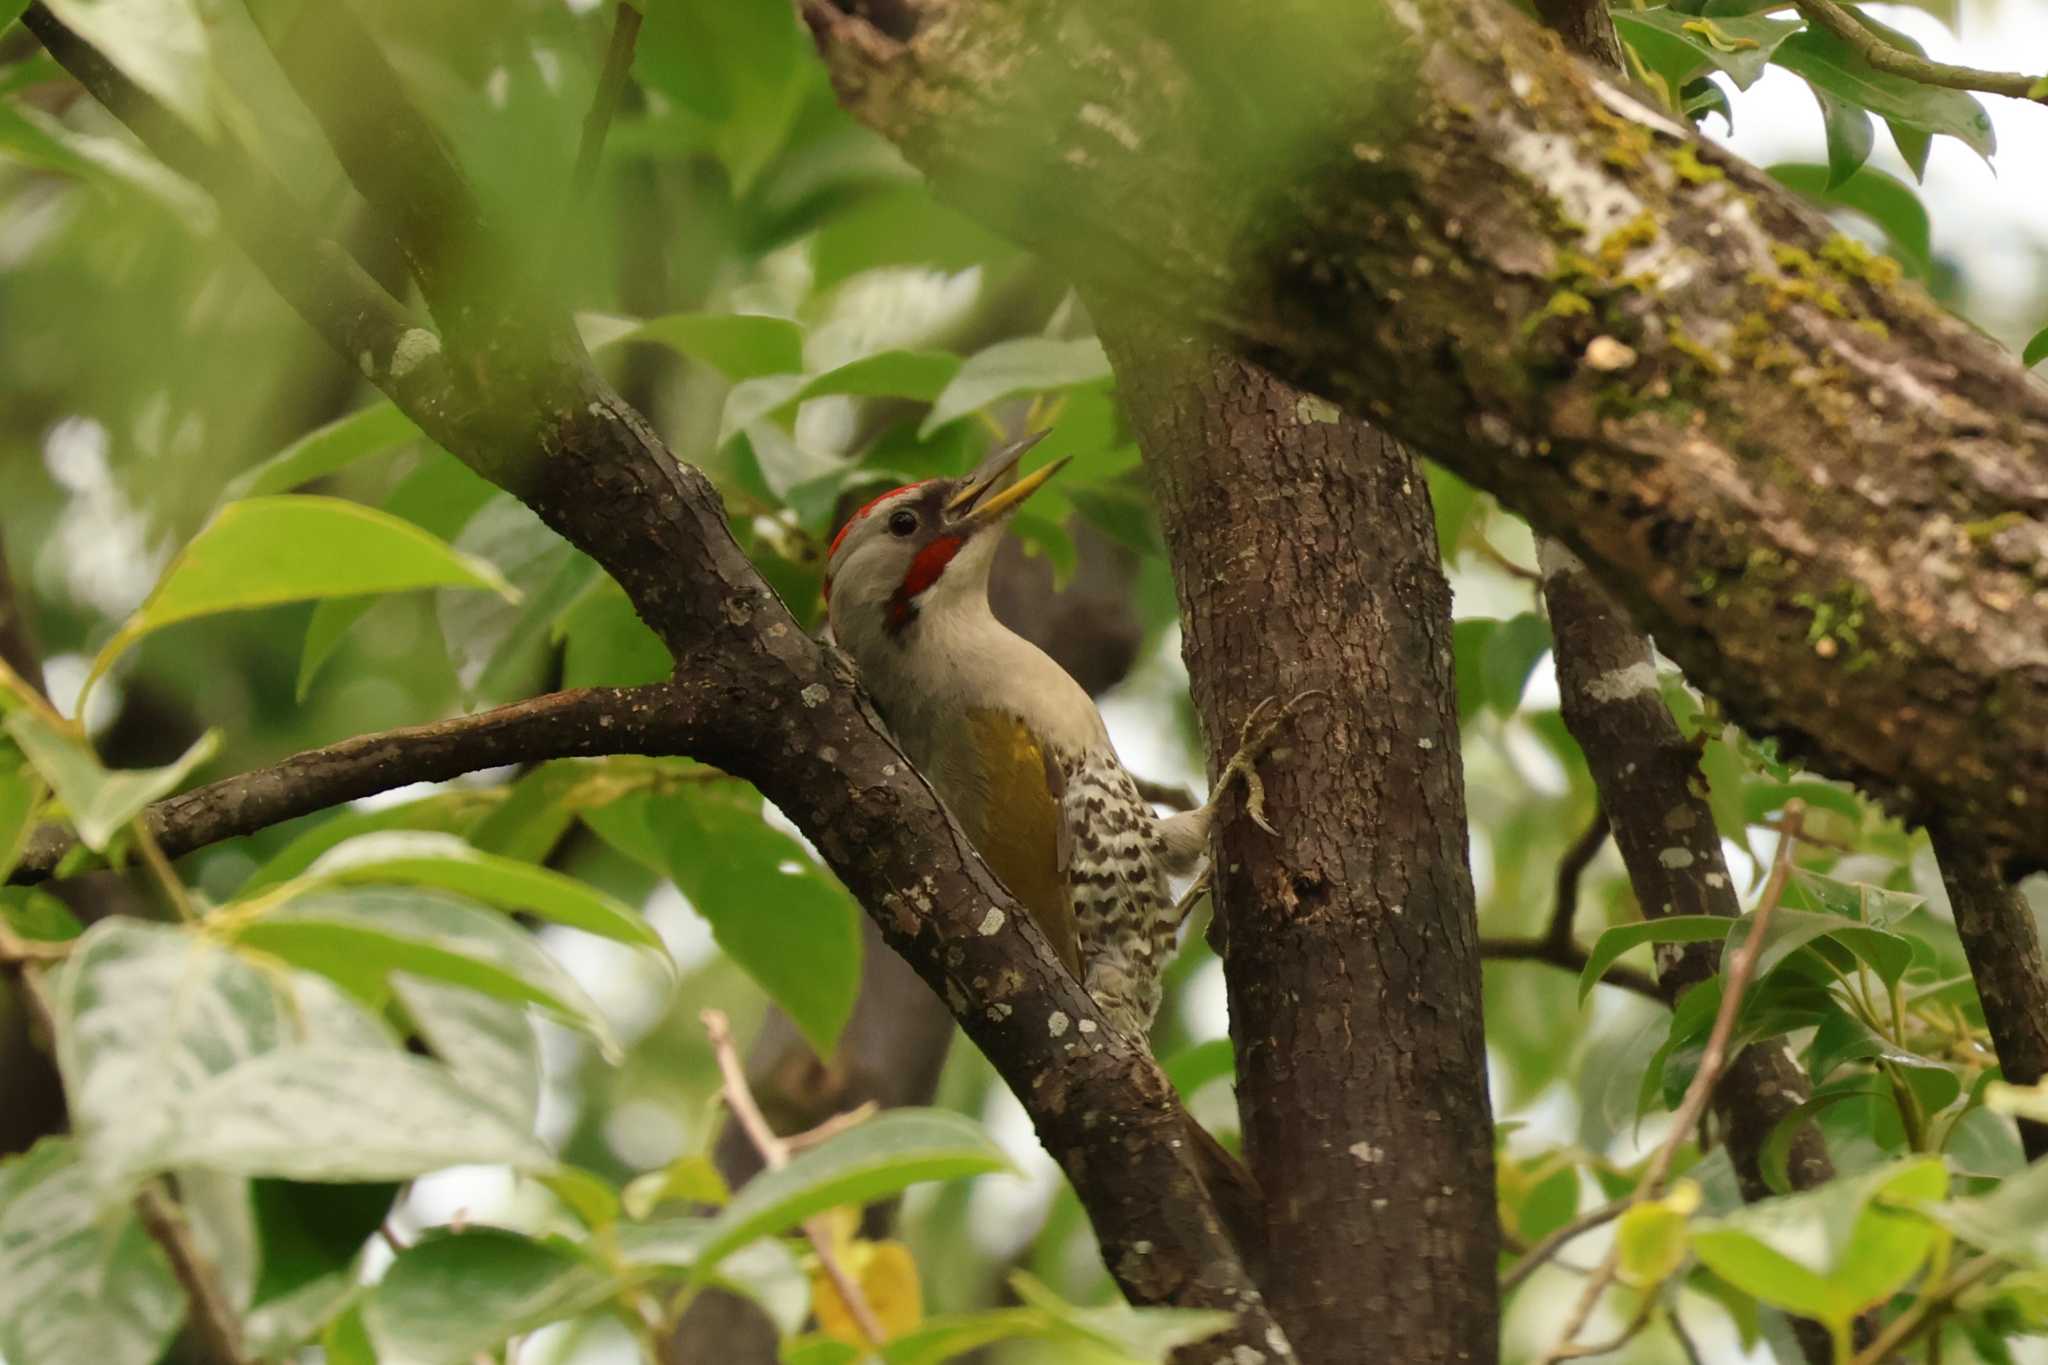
503, 974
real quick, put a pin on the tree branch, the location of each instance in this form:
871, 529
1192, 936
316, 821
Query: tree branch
1426, 213
2003, 947
212, 1317
1570, 958
604, 104
657, 719
779, 710
1894, 60
775, 1155
1304, 556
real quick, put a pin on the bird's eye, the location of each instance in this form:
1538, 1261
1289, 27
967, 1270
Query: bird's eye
902, 522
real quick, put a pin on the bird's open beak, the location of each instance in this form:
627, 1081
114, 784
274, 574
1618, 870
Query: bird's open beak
976, 508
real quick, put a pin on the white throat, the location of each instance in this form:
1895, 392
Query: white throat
955, 657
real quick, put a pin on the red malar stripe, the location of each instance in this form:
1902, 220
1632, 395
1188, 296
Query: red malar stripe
924, 571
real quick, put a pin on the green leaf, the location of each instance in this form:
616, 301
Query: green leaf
1194, 1067
30, 137
949, 1336
1468, 649
1832, 1252
688, 1179
738, 345
21, 791
1511, 654
176, 1052
1019, 366
881, 1157
454, 810
10, 10
1860, 902
2011, 1220
291, 547
450, 1298
283, 1324
1612, 943
159, 44
606, 644
765, 1270
1885, 200
2037, 349
313, 1233
782, 919
1680, 46
370, 431
1705, 96
1776, 1152
36, 915
76, 1285
1914, 146
439, 497
488, 1044
1831, 65
99, 802
1850, 135
444, 862
498, 645
1650, 1239
1147, 1335
919, 375
1790, 930
360, 936
1120, 511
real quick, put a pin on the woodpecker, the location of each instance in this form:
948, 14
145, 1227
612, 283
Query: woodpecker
1011, 742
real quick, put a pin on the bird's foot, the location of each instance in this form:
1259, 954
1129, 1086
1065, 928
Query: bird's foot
1254, 740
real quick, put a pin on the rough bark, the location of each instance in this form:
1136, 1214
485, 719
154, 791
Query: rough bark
1826, 498
516, 398
1649, 780
1306, 558
2003, 947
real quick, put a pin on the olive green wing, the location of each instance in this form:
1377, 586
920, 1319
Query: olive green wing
1023, 835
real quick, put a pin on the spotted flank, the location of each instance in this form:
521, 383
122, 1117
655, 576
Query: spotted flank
1124, 909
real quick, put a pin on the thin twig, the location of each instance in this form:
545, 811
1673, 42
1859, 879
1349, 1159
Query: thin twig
604, 104
1683, 1337
1490, 552
1620, 1339
1570, 958
739, 1097
832, 1127
1554, 1241
160, 868
1888, 57
213, 1318
1570, 869
16, 950
1712, 1061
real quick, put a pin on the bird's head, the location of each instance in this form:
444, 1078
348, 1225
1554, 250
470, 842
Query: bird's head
918, 548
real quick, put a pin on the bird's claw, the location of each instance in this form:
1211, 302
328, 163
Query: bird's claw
1254, 738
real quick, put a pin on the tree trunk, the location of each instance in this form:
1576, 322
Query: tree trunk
1306, 557
1826, 498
